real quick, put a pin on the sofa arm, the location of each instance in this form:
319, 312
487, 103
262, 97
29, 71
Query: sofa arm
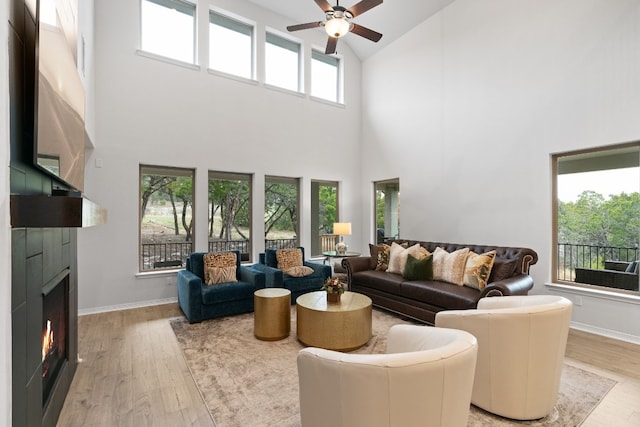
190, 295
319, 269
355, 264
517, 285
274, 278
253, 276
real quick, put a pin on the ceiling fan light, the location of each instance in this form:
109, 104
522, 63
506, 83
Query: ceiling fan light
337, 27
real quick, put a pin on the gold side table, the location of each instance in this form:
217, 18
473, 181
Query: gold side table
272, 313
340, 326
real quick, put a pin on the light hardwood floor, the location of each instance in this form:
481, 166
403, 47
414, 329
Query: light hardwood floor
133, 374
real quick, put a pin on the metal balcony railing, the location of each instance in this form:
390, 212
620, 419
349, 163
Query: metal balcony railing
572, 256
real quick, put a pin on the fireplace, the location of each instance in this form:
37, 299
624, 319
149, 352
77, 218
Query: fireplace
55, 328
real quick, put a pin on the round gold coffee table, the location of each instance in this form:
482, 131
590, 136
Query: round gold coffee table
272, 313
335, 326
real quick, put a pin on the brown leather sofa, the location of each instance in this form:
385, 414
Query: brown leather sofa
421, 300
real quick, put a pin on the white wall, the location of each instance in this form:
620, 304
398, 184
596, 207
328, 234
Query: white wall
5, 229
151, 112
482, 94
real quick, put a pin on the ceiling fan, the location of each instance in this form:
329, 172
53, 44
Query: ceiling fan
337, 22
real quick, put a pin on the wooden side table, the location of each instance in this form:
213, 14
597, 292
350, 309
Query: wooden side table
335, 326
272, 313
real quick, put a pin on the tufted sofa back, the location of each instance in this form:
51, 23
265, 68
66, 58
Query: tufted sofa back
509, 262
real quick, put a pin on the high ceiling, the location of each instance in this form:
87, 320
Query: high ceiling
393, 18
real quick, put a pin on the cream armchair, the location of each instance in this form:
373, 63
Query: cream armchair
521, 345
424, 379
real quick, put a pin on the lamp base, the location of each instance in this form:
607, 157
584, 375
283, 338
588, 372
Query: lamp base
341, 248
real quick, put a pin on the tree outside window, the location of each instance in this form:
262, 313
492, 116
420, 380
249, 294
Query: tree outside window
230, 213
166, 221
281, 212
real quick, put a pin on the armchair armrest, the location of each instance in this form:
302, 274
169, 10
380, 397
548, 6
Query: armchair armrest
253, 276
274, 278
190, 294
517, 285
319, 269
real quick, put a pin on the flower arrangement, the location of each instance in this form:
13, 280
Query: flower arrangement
333, 286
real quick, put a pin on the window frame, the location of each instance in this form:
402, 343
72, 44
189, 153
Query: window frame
332, 60
284, 42
389, 181
605, 152
233, 176
289, 181
173, 4
316, 248
233, 23
170, 171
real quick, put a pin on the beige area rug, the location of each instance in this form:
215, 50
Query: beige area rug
246, 382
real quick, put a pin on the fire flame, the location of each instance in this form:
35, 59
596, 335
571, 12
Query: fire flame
47, 341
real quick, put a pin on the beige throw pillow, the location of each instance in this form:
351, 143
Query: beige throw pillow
398, 257
478, 268
219, 267
299, 271
288, 258
449, 267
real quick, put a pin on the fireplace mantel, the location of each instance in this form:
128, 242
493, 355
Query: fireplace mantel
40, 211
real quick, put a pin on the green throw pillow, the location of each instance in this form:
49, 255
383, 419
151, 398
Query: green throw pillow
418, 269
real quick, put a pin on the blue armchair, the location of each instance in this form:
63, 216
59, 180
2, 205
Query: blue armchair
275, 278
199, 301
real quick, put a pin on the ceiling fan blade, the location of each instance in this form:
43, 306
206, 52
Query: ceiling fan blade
374, 36
332, 43
306, 26
362, 7
324, 5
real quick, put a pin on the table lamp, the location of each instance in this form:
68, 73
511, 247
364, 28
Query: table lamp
341, 229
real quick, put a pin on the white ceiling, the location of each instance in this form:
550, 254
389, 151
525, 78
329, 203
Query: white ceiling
393, 18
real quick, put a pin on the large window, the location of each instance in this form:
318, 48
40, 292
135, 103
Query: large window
230, 45
325, 77
387, 210
282, 62
597, 217
168, 29
324, 212
281, 201
230, 213
166, 221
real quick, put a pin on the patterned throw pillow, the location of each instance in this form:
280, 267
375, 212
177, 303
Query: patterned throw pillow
219, 267
449, 267
382, 262
219, 275
478, 269
398, 257
288, 258
299, 271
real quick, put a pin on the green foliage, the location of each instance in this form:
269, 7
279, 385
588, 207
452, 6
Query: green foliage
594, 220
327, 208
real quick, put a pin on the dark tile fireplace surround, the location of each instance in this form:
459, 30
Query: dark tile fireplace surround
43, 256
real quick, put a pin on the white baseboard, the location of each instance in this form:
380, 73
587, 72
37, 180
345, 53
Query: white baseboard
605, 332
128, 306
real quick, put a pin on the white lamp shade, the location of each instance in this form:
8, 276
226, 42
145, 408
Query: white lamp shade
337, 27
342, 228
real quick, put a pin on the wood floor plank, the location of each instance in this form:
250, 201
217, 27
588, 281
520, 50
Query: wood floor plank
133, 374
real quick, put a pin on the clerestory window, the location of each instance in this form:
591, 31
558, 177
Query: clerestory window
168, 28
326, 81
231, 44
282, 62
